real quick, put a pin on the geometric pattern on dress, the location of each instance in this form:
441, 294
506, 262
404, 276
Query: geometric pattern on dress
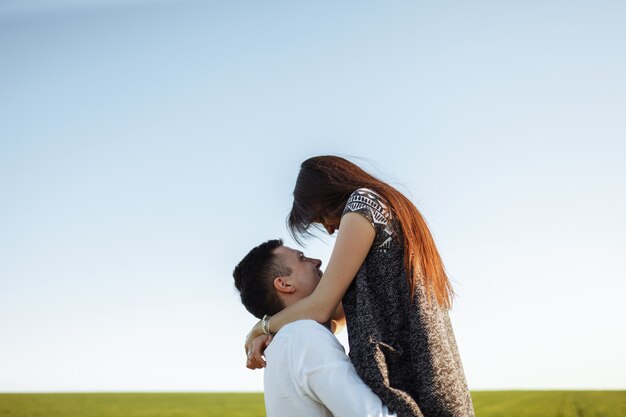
373, 207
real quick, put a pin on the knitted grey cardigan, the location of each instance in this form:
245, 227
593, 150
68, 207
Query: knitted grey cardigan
405, 351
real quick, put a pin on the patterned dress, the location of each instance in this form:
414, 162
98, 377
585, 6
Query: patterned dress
405, 351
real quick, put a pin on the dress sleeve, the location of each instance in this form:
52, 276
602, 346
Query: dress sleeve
374, 208
325, 372
370, 205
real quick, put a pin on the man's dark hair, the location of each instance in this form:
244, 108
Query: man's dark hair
254, 279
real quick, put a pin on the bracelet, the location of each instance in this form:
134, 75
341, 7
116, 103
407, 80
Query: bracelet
265, 325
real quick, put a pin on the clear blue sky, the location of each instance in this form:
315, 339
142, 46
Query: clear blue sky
146, 146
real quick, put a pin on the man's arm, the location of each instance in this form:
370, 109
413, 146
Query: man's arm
338, 321
326, 374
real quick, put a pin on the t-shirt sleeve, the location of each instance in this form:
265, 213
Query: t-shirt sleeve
325, 372
371, 206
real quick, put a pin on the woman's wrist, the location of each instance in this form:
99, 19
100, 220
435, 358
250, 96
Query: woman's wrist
265, 325
258, 329
255, 332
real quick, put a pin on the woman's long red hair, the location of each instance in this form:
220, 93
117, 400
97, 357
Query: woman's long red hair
322, 189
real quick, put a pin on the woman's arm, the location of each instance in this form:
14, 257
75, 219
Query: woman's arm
354, 240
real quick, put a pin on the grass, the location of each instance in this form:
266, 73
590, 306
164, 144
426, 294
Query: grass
486, 404
132, 405
549, 403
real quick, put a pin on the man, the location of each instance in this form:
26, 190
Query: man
307, 372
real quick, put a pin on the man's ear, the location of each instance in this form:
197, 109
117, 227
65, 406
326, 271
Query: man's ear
283, 284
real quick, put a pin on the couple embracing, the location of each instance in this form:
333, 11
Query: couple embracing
385, 280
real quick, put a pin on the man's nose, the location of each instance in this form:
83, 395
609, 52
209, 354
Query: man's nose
316, 262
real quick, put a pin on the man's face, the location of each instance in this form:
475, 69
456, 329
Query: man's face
305, 272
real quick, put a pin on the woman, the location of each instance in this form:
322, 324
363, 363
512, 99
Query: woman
386, 269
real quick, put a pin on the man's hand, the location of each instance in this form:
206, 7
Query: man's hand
255, 350
338, 320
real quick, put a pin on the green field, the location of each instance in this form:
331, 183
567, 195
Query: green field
486, 403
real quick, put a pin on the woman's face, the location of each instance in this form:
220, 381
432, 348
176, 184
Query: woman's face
330, 223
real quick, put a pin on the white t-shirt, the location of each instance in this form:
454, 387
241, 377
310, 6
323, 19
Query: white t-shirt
308, 374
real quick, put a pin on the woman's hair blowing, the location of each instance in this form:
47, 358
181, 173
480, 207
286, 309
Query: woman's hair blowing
323, 187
